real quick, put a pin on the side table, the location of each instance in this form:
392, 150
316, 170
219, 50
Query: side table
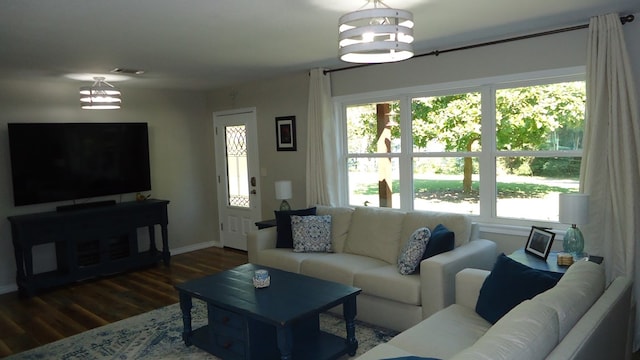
552, 261
537, 263
263, 224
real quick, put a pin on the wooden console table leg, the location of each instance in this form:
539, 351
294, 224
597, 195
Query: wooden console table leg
166, 255
349, 312
152, 239
285, 342
185, 306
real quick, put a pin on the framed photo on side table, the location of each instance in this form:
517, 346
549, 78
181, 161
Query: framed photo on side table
286, 133
539, 242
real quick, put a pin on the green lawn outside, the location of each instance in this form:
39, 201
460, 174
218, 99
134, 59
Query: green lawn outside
452, 189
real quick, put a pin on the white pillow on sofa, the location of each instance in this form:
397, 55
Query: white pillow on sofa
375, 232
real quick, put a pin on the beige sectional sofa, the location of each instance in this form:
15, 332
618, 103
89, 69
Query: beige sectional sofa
366, 242
576, 319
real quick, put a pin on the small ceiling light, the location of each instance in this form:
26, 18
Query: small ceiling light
376, 35
101, 95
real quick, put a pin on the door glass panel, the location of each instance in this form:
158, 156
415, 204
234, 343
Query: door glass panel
237, 166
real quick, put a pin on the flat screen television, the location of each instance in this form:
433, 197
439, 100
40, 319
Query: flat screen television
69, 161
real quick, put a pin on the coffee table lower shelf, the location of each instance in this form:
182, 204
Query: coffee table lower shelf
319, 347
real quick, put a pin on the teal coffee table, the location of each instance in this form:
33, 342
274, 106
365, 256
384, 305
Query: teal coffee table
277, 322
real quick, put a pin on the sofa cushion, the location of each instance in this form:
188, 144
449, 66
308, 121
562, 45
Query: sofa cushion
387, 283
508, 284
579, 288
443, 334
441, 240
311, 233
338, 267
340, 223
286, 259
459, 224
284, 237
528, 332
413, 250
375, 232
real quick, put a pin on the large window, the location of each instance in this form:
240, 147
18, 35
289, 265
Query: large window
497, 151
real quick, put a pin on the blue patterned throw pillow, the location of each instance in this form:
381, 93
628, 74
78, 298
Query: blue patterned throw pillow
411, 254
311, 233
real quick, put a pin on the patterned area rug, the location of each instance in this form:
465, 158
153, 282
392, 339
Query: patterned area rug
158, 335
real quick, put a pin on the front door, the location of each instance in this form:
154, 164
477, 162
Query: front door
237, 175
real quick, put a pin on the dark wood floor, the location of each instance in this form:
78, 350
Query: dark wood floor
69, 310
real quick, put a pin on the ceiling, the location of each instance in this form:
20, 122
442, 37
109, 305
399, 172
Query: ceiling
208, 44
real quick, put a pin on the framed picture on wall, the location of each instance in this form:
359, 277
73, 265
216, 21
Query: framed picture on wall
539, 242
286, 133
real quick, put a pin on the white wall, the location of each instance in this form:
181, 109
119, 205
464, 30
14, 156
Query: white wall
543, 53
180, 141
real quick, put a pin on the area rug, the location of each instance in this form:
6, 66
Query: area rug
158, 335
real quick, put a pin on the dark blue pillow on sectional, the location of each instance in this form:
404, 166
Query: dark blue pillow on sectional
441, 240
509, 284
283, 225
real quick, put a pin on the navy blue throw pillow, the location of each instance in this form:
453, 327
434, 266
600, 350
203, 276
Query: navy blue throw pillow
283, 225
441, 240
509, 284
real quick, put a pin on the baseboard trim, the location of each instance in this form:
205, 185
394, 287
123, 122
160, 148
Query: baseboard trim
5, 289
8, 288
194, 247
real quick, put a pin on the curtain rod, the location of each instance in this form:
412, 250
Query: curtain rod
623, 20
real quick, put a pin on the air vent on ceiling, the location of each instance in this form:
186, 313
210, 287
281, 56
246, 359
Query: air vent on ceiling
127, 71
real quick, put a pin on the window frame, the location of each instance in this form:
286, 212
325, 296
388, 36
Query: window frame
487, 157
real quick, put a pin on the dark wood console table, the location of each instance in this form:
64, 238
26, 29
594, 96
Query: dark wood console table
88, 242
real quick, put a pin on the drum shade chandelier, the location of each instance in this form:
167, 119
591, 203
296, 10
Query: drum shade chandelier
375, 35
100, 96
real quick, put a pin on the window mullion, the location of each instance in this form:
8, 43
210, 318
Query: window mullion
406, 156
487, 159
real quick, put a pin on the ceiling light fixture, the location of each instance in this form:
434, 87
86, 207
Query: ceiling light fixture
377, 35
100, 96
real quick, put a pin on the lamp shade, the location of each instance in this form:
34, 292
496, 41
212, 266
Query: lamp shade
377, 35
574, 208
283, 189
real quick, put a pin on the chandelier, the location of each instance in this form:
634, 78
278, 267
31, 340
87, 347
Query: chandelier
101, 95
376, 35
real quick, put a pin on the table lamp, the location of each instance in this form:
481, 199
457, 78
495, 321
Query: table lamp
574, 210
283, 192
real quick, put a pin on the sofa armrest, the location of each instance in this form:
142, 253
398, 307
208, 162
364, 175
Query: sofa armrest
468, 285
259, 240
437, 273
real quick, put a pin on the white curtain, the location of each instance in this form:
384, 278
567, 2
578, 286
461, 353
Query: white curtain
610, 170
321, 142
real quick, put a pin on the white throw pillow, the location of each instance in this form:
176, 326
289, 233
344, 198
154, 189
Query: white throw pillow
311, 233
